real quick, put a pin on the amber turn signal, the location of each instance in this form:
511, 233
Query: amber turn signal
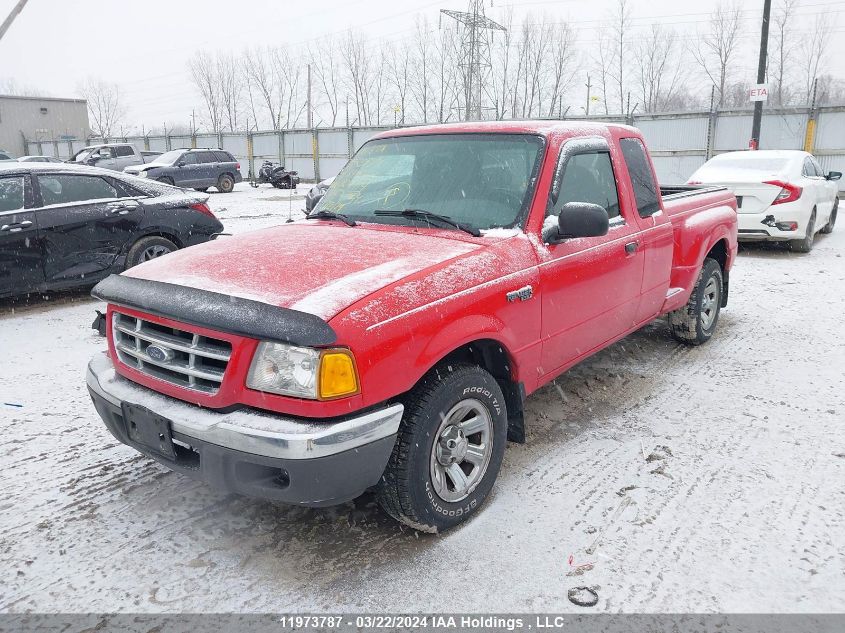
338, 376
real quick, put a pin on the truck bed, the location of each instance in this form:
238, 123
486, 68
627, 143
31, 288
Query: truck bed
679, 199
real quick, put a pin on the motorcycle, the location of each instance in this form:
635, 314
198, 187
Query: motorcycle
276, 175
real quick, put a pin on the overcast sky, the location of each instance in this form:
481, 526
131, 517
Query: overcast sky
144, 46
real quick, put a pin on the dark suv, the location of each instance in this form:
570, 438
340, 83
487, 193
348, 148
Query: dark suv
196, 168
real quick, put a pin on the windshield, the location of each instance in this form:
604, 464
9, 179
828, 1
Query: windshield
168, 158
481, 180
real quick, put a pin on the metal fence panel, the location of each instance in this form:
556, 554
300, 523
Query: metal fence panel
674, 170
830, 131
179, 142
359, 137
675, 134
208, 140
157, 144
298, 143
783, 131
266, 146
332, 142
330, 167
305, 167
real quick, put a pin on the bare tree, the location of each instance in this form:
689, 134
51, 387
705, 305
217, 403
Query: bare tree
356, 60
813, 51
657, 57
204, 74
231, 89
602, 60
620, 24
423, 61
562, 64
262, 79
718, 46
399, 70
10, 86
783, 45
324, 62
104, 106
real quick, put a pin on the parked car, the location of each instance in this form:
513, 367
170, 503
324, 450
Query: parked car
449, 272
115, 156
4, 155
39, 159
63, 226
316, 193
782, 195
196, 168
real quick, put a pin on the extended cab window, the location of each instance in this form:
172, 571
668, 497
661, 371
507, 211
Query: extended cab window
642, 177
124, 150
587, 177
11, 193
65, 189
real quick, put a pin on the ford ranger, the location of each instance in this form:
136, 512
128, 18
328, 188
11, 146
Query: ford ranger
389, 340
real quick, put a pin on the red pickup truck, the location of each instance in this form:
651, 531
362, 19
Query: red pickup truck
389, 340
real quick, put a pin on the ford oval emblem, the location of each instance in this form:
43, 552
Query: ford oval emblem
159, 354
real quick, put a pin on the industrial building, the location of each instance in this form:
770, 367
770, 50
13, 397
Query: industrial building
40, 119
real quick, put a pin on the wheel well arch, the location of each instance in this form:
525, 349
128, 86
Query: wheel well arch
719, 252
494, 357
157, 233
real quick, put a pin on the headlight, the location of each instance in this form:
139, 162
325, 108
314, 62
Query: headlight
303, 372
142, 174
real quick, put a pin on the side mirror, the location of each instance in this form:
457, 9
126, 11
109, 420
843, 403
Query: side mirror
181, 163
833, 175
581, 219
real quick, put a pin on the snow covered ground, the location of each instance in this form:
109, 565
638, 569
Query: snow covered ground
686, 479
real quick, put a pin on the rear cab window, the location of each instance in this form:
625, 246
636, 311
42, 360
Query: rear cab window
642, 176
124, 150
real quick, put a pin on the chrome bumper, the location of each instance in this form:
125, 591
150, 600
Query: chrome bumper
248, 430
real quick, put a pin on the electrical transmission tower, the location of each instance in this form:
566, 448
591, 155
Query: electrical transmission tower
474, 61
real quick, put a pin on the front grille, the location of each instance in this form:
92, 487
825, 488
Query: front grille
179, 357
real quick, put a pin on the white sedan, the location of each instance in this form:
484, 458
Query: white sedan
781, 195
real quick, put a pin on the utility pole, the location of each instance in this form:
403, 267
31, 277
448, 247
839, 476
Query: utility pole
475, 53
589, 85
193, 123
11, 17
761, 75
309, 96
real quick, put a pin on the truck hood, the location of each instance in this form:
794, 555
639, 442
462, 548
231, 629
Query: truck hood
137, 169
316, 268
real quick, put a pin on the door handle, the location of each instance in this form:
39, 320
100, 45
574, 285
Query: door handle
631, 247
119, 211
16, 226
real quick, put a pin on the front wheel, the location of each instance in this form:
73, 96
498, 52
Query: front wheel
448, 450
695, 323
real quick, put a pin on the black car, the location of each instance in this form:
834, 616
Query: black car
63, 226
195, 168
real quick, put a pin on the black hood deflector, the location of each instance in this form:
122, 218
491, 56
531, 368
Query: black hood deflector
216, 311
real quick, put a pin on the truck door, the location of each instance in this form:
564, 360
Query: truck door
590, 287
656, 241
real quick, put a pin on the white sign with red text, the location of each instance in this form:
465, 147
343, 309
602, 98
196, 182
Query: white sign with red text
758, 92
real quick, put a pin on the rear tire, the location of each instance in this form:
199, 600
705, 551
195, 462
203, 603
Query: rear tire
225, 184
448, 450
695, 323
148, 248
805, 245
831, 222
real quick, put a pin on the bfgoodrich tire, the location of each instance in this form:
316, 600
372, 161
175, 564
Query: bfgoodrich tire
695, 323
448, 450
148, 248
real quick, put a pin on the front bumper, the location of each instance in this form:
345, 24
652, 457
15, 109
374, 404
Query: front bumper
306, 462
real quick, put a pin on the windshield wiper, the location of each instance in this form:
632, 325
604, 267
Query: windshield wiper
331, 215
422, 214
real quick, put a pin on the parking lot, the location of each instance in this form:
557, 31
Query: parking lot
668, 478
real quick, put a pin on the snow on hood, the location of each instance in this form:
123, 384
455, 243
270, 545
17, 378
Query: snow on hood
319, 269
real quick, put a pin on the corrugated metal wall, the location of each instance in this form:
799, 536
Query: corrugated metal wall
679, 143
